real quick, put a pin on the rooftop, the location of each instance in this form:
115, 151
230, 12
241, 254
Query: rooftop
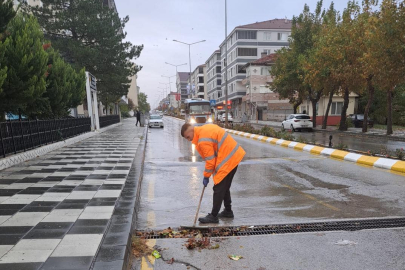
270, 24
184, 76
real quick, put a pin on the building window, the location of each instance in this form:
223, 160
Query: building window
218, 69
239, 67
219, 94
267, 51
218, 57
267, 36
246, 34
265, 71
200, 79
247, 51
336, 108
282, 36
200, 70
219, 82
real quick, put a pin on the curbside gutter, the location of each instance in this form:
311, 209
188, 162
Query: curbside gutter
382, 163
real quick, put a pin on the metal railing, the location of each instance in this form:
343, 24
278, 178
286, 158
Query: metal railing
107, 120
19, 136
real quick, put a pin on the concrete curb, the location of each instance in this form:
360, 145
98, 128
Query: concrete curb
115, 249
382, 163
24, 156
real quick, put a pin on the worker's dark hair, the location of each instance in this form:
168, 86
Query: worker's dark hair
184, 128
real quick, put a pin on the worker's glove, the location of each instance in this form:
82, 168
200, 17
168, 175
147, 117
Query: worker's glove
205, 181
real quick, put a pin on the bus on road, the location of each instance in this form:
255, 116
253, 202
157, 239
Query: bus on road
198, 111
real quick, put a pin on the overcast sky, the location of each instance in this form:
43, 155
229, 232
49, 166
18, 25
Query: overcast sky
155, 23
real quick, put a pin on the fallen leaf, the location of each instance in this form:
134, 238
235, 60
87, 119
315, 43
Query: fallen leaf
171, 261
156, 254
235, 257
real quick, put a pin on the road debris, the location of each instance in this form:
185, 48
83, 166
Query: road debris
345, 243
156, 254
235, 257
139, 247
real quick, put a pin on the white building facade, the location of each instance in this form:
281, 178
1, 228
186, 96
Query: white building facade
213, 76
198, 83
245, 44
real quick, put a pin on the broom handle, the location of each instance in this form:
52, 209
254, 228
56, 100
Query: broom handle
198, 208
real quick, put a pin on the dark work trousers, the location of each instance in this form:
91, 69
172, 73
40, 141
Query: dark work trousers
137, 121
222, 193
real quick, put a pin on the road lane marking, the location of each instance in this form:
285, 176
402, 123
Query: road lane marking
148, 262
312, 198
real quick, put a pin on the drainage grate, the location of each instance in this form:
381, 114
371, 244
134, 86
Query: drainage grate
347, 225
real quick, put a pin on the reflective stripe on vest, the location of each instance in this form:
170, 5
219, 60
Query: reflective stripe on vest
207, 140
227, 158
210, 157
208, 171
222, 140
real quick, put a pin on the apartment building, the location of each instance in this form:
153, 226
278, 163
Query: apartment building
181, 84
198, 82
260, 102
213, 78
245, 44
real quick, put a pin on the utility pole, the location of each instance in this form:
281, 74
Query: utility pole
226, 65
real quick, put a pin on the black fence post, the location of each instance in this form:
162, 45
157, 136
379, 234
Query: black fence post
22, 134
32, 140
12, 137
2, 142
39, 134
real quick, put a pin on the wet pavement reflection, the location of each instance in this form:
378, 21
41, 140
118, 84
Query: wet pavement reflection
273, 184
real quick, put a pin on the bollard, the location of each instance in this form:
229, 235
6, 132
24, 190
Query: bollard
330, 141
142, 120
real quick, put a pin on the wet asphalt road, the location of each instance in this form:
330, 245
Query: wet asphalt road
273, 185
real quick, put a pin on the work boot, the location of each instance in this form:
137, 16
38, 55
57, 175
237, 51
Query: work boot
226, 214
208, 219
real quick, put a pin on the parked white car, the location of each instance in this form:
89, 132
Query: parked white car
297, 122
222, 118
155, 120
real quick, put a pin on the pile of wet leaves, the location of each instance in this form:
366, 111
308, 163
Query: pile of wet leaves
192, 233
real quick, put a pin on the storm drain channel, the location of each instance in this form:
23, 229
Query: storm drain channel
347, 225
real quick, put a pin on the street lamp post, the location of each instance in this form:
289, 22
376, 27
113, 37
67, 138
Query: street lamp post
189, 54
176, 75
170, 87
226, 65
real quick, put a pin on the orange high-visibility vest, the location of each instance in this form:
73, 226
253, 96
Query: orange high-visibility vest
219, 150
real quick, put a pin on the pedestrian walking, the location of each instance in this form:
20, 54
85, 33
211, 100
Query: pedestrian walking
222, 155
138, 118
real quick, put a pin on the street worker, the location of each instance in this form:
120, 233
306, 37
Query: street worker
222, 155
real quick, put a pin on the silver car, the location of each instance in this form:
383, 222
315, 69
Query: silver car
155, 120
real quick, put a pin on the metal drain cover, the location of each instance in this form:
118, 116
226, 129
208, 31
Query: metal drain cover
346, 225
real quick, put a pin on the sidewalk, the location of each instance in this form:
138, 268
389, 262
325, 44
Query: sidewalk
71, 208
399, 134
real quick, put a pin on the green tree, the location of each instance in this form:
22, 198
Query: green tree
27, 63
7, 13
304, 32
65, 87
91, 35
287, 82
143, 104
387, 52
320, 63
